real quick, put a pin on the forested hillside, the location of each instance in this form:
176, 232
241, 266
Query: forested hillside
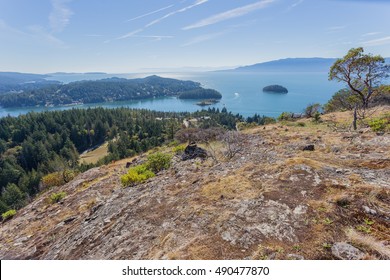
19, 82
106, 90
38, 144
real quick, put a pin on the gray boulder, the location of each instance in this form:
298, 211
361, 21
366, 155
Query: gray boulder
193, 151
345, 251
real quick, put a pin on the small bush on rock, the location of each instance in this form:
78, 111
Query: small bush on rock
136, 175
8, 215
158, 161
56, 197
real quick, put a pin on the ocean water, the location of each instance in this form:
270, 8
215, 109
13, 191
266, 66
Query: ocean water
242, 92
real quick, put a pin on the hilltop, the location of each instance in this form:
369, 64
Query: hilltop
275, 199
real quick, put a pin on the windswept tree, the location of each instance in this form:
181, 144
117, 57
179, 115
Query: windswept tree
362, 73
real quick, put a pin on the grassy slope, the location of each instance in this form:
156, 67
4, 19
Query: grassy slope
94, 155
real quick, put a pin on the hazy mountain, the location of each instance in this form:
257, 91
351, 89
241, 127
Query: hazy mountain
20, 78
315, 64
16, 82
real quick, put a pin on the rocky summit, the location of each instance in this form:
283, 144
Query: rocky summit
272, 199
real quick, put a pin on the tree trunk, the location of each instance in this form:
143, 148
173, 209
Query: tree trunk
354, 118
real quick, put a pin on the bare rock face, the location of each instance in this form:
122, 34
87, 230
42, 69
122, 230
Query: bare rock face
272, 201
344, 251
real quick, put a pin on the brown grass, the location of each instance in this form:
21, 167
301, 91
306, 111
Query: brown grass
95, 155
307, 161
231, 187
368, 242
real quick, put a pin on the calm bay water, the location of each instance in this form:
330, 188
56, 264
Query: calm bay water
242, 92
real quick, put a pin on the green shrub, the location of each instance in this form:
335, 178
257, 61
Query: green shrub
301, 124
312, 109
268, 120
179, 149
56, 197
8, 215
317, 117
158, 161
52, 180
285, 116
380, 124
136, 175
69, 175
140, 173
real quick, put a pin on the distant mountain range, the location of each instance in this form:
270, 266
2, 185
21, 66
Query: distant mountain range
22, 81
13, 78
15, 82
314, 64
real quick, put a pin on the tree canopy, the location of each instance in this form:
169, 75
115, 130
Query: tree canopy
361, 72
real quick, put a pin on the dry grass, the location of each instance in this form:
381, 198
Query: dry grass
346, 117
368, 243
307, 161
95, 155
231, 187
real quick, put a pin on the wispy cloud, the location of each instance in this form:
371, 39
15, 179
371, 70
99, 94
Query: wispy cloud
132, 33
293, 6
33, 32
154, 36
197, 3
128, 35
237, 12
150, 13
203, 38
42, 35
60, 15
370, 34
377, 42
9, 29
299, 2
334, 29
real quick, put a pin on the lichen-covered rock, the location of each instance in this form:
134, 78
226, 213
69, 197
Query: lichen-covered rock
345, 251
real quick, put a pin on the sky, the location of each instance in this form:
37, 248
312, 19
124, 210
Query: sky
124, 36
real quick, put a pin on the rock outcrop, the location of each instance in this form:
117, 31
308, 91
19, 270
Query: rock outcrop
272, 201
192, 151
345, 251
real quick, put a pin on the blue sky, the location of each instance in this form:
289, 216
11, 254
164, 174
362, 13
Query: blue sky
120, 36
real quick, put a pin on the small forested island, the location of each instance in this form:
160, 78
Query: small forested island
106, 90
207, 102
200, 93
275, 89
